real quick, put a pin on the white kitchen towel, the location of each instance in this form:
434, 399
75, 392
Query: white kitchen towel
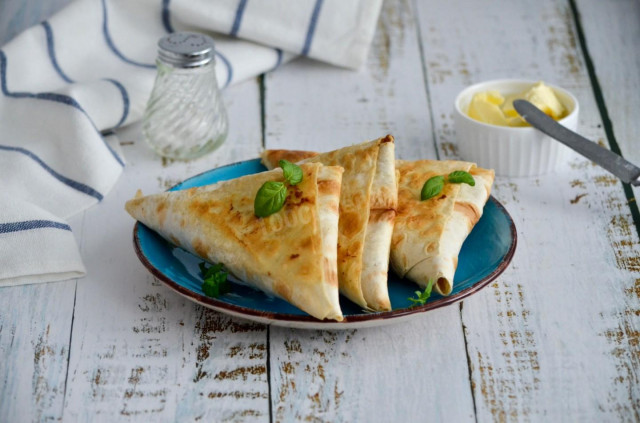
67, 82
35, 245
334, 31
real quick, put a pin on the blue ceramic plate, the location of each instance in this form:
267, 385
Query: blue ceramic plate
485, 254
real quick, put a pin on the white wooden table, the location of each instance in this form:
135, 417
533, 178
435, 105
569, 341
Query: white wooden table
555, 338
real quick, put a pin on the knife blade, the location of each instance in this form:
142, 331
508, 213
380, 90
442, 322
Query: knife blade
623, 169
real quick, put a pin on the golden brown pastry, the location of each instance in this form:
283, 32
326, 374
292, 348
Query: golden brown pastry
368, 202
291, 253
429, 234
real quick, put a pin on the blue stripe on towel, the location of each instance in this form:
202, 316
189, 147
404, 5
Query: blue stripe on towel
227, 63
31, 224
312, 27
52, 53
60, 98
69, 182
107, 37
166, 16
54, 62
125, 101
236, 22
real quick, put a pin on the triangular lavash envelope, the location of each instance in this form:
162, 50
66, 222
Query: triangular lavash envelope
429, 234
291, 254
368, 202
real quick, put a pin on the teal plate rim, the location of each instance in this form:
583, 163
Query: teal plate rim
304, 320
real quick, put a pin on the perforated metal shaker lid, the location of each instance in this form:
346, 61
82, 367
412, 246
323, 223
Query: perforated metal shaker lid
186, 49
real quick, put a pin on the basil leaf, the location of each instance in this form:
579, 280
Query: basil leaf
216, 286
215, 281
461, 177
211, 270
292, 172
422, 296
427, 290
269, 199
432, 187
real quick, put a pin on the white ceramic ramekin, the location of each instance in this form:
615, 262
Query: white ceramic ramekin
519, 151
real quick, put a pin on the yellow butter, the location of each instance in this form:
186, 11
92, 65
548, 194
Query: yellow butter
485, 107
491, 107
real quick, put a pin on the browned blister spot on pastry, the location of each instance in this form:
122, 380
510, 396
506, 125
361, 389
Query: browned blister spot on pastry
349, 223
354, 248
330, 274
329, 187
387, 138
199, 247
430, 248
384, 215
271, 158
161, 211
384, 198
200, 208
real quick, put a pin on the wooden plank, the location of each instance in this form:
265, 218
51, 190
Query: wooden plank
404, 372
550, 339
35, 322
616, 61
139, 351
396, 373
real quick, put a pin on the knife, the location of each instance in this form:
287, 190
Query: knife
626, 171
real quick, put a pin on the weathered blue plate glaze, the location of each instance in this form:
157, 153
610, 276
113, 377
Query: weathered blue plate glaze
485, 254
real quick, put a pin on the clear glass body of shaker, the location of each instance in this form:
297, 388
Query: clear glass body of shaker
185, 117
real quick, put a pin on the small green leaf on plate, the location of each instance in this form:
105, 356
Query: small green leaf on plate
422, 297
215, 281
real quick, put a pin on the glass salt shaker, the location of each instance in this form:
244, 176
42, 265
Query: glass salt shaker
185, 117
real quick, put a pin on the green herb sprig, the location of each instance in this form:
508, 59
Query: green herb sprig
215, 281
435, 184
422, 296
292, 172
271, 196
